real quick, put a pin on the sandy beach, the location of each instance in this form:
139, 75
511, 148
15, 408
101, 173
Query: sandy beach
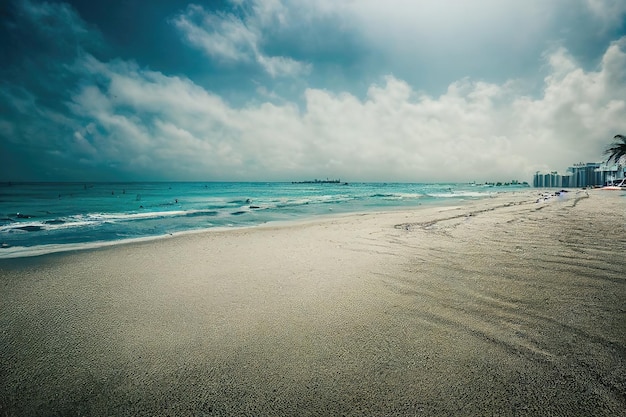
499, 307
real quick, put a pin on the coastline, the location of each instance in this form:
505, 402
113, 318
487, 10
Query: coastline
500, 306
13, 252
37, 219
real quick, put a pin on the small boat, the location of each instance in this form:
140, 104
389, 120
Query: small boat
619, 187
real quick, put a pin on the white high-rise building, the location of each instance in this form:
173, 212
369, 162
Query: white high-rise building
583, 174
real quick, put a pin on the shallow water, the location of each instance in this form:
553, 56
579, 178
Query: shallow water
47, 217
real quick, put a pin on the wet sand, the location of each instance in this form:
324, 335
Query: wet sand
503, 307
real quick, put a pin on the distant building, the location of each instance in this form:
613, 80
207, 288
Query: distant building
608, 173
585, 174
580, 175
550, 180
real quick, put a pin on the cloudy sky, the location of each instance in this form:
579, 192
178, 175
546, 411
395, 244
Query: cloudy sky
265, 90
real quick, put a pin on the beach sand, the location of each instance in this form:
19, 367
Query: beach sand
503, 307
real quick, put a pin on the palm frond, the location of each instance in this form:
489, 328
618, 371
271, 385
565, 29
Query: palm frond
617, 149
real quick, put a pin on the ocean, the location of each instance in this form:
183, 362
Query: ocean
39, 218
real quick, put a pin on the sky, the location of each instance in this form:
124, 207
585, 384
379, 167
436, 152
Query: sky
282, 90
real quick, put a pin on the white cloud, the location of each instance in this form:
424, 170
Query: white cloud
268, 12
441, 24
229, 38
610, 11
59, 30
277, 66
53, 18
221, 36
145, 120
478, 127
428, 43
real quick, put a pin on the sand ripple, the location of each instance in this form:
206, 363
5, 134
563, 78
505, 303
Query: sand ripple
507, 307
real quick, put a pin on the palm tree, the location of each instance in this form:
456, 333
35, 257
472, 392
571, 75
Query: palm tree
617, 150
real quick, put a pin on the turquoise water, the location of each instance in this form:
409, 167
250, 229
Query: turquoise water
48, 217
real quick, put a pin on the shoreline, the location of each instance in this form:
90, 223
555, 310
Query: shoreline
17, 252
503, 306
